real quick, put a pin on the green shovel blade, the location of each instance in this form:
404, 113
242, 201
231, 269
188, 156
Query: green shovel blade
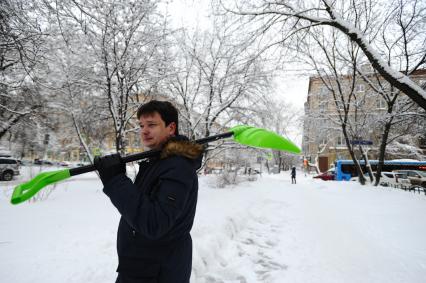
262, 138
26, 190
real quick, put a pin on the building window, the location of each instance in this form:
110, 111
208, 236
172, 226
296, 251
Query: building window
323, 90
360, 88
340, 139
359, 103
323, 106
381, 103
422, 143
339, 105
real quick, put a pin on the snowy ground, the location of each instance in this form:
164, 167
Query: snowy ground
263, 231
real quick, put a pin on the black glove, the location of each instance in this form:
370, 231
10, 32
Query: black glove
109, 166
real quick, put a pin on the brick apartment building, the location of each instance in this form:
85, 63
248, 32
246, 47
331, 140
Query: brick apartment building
323, 141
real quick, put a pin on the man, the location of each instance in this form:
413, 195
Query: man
158, 209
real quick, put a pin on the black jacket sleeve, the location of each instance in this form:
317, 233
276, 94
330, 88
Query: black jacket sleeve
154, 216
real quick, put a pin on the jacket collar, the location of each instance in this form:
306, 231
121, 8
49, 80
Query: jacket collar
181, 146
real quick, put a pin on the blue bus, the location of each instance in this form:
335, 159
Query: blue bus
345, 169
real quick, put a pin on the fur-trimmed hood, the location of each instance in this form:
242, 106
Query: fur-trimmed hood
181, 146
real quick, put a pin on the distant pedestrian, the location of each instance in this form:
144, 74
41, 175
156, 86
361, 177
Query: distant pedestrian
293, 175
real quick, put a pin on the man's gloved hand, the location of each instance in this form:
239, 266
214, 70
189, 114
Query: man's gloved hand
109, 166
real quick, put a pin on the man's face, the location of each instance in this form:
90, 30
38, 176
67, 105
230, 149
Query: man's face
154, 131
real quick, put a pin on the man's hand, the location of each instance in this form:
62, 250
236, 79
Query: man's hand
109, 166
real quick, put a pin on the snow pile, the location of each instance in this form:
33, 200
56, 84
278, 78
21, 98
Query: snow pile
263, 231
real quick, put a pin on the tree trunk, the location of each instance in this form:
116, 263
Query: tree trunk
367, 164
382, 150
361, 177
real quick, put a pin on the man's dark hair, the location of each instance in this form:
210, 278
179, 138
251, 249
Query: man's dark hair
166, 110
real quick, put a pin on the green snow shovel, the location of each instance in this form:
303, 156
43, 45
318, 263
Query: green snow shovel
247, 135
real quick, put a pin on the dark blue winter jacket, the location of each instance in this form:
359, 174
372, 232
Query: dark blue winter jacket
157, 213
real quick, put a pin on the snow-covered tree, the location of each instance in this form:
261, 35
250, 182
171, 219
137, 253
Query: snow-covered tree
360, 21
21, 47
282, 118
216, 78
123, 44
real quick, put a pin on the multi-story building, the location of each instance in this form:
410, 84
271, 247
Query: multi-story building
323, 139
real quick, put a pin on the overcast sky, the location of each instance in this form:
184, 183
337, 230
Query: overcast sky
293, 89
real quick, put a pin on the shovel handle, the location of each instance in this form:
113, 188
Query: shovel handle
145, 154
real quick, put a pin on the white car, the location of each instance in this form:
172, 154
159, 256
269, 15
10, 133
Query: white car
9, 167
394, 179
416, 177
389, 179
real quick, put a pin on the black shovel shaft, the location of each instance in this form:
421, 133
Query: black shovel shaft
145, 154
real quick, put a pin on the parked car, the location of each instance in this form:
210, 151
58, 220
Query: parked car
63, 164
9, 167
388, 179
394, 179
42, 162
416, 177
328, 175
